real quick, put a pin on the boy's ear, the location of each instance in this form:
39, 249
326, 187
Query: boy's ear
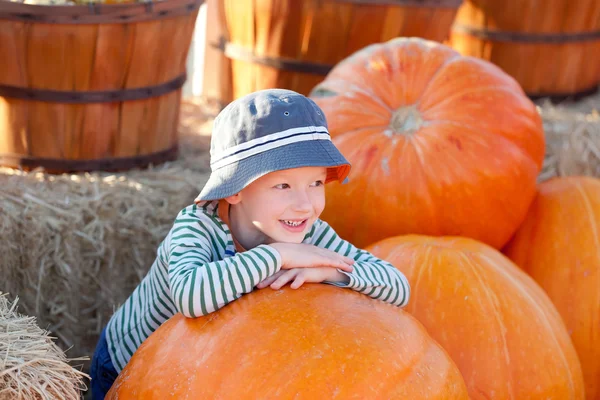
236, 198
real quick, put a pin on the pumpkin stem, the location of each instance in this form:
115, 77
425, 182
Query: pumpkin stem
406, 120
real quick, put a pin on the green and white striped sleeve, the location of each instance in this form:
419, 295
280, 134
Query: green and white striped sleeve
372, 276
200, 283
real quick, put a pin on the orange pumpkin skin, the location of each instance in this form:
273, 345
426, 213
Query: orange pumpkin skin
496, 323
559, 246
316, 342
440, 144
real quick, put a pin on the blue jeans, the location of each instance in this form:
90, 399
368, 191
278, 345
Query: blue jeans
102, 370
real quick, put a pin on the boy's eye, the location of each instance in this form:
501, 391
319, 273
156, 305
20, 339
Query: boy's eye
282, 186
317, 183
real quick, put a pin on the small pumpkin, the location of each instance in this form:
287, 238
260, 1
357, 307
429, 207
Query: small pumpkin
440, 144
559, 246
496, 323
315, 342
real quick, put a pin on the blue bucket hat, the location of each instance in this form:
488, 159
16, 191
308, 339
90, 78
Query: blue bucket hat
266, 131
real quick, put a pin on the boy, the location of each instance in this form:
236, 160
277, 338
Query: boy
254, 224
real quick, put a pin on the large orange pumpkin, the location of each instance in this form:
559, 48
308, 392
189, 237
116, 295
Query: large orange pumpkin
496, 323
559, 246
440, 144
316, 342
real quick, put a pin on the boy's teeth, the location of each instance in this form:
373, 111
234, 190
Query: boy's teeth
293, 223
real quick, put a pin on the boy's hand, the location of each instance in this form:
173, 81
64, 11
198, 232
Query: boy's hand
298, 276
302, 255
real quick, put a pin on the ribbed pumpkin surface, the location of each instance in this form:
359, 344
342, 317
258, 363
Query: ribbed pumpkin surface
559, 246
496, 323
440, 144
316, 342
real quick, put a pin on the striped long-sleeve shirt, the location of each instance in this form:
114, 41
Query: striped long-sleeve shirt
198, 270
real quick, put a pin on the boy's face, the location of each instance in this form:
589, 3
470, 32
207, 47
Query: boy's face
280, 206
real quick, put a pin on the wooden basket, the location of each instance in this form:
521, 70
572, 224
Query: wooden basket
293, 44
550, 49
92, 87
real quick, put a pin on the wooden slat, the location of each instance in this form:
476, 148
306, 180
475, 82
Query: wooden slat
111, 63
290, 44
216, 76
362, 16
240, 25
78, 66
14, 133
327, 29
270, 20
47, 46
175, 41
137, 117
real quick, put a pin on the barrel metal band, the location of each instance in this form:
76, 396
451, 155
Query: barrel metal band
240, 53
96, 13
104, 96
104, 164
557, 97
526, 37
408, 3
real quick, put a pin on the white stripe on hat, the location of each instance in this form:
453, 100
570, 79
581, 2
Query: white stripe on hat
268, 142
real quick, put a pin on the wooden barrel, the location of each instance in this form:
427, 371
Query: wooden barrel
92, 87
551, 48
293, 44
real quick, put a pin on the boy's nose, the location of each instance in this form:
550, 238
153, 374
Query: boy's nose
302, 202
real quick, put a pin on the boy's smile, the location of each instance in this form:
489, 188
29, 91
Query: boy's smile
294, 226
278, 207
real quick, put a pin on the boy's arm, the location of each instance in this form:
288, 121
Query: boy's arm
371, 275
200, 286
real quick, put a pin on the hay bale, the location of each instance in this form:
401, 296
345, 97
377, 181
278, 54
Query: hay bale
76, 245
32, 366
572, 137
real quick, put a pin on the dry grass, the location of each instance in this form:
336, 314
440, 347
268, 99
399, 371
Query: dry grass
572, 138
32, 366
75, 246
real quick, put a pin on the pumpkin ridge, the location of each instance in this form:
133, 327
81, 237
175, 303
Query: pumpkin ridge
364, 143
352, 88
469, 90
455, 56
414, 298
532, 301
390, 55
374, 98
488, 68
398, 152
388, 150
590, 214
415, 143
594, 227
493, 301
364, 128
410, 372
475, 132
563, 257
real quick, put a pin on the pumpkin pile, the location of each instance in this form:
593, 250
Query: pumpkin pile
504, 272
